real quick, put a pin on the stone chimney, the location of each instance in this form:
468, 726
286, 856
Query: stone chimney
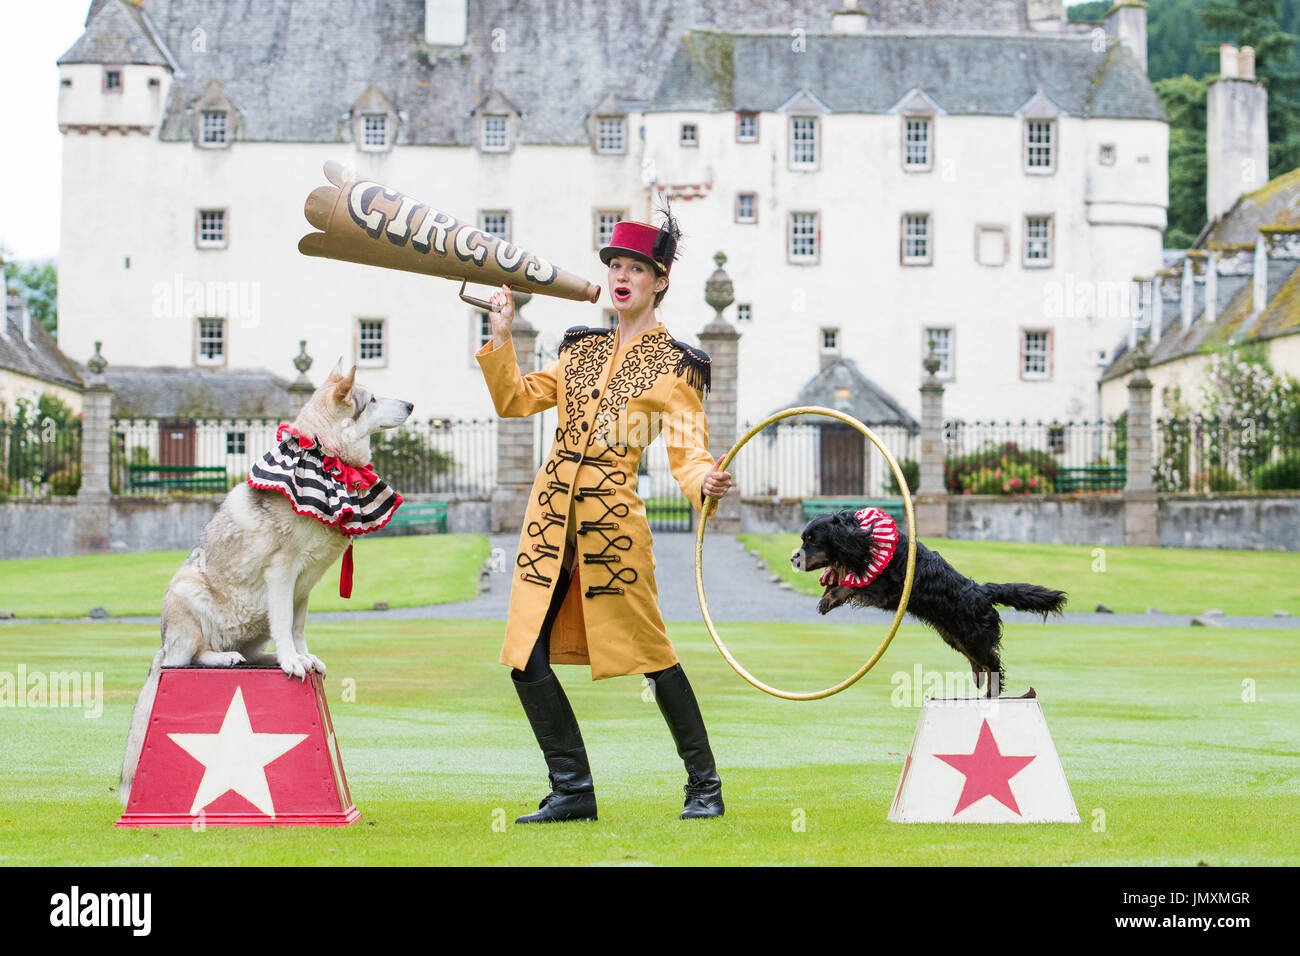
850, 19
1236, 140
1259, 283
1127, 22
11, 308
17, 306
446, 22
1046, 15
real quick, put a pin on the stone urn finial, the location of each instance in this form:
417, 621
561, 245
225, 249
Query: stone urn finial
718, 291
97, 363
931, 361
302, 361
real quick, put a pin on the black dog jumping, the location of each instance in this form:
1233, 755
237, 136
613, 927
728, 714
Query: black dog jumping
856, 548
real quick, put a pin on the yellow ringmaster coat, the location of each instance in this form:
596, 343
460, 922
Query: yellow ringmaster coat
611, 404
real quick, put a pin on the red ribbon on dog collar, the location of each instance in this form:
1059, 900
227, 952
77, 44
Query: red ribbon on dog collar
303, 440
345, 574
362, 477
884, 539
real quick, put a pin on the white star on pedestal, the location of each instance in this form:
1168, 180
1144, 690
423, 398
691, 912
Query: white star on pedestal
235, 758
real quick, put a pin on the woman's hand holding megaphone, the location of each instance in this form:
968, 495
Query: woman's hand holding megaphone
503, 317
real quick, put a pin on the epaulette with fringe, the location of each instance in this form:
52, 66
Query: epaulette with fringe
573, 333
695, 364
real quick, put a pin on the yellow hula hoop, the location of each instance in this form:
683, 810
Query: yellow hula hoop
907, 583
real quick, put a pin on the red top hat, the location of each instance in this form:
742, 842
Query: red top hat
643, 241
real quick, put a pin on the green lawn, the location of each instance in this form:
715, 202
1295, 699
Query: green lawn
1127, 580
405, 572
1166, 761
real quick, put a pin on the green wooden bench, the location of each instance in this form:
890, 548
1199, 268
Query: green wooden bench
177, 478
414, 514
825, 506
1092, 478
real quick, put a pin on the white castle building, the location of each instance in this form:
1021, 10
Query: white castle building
983, 175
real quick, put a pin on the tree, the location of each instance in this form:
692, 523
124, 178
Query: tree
1184, 100
38, 284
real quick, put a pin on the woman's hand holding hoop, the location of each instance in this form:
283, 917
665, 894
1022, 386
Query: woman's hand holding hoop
717, 483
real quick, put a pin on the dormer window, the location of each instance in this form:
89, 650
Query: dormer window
803, 142
496, 133
112, 80
918, 143
495, 124
1040, 146
375, 121
215, 118
213, 131
374, 131
611, 134
746, 127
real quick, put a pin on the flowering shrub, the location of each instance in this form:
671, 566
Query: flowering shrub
1244, 393
1001, 470
1251, 415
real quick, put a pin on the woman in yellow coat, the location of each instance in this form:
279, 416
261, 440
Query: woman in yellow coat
584, 588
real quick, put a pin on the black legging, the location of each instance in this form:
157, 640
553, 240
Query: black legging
539, 661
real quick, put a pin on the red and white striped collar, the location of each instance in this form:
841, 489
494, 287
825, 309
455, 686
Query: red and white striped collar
884, 540
351, 476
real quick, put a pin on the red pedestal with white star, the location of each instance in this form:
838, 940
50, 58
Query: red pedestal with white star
983, 761
239, 746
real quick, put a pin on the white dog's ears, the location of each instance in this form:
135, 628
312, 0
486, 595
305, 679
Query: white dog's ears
336, 373
344, 385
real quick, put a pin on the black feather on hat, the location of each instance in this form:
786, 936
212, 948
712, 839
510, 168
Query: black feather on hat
665, 250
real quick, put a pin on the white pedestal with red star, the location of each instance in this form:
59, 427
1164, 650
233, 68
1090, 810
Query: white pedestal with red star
239, 746
983, 761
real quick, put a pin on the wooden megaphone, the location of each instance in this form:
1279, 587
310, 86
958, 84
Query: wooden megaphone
362, 221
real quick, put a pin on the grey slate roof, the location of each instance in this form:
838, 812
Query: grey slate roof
870, 74
296, 68
882, 15
867, 401
168, 392
116, 32
1277, 204
39, 358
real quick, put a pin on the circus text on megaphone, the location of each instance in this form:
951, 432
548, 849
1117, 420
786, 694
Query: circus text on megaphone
399, 219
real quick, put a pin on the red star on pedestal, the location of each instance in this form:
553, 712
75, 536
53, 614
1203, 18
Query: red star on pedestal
235, 758
988, 772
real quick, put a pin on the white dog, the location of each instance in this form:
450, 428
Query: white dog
249, 579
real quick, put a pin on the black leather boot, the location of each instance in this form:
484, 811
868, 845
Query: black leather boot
677, 703
572, 795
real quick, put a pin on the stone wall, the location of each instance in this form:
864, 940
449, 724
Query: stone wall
1044, 519
1268, 522
1252, 522
47, 527
38, 528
